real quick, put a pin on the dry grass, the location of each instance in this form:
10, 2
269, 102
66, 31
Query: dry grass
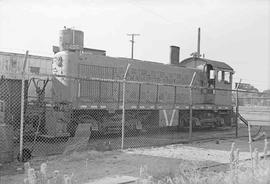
241, 175
254, 171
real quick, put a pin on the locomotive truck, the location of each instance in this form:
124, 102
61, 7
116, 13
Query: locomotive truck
89, 83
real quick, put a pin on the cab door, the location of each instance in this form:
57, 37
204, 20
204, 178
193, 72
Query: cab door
211, 83
224, 81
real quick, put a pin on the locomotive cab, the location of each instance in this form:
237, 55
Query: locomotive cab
218, 75
217, 95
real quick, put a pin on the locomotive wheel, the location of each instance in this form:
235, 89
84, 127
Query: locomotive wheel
195, 122
93, 125
185, 122
220, 122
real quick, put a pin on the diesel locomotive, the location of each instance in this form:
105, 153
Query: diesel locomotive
90, 84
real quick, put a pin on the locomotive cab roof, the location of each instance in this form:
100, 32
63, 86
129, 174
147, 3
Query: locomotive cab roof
196, 62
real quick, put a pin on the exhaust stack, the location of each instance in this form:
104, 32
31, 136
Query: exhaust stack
174, 55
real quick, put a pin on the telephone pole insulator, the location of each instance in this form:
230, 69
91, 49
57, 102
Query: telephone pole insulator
132, 42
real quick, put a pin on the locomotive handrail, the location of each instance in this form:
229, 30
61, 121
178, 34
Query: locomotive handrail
242, 119
27, 76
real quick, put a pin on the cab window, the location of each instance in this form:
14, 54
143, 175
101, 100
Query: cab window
227, 77
223, 76
212, 74
219, 75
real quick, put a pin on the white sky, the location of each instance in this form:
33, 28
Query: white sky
234, 31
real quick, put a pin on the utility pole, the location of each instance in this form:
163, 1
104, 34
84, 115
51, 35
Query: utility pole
132, 42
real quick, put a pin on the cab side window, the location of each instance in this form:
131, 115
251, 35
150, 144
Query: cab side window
227, 78
212, 74
219, 75
223, 75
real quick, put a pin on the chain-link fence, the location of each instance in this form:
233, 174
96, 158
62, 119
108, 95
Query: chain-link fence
64, 114
253, 108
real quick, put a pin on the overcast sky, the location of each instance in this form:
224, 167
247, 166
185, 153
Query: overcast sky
234, 31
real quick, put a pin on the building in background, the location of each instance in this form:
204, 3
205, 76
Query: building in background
254, 98
11, 66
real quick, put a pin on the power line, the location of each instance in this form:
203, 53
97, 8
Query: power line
150, 11
132, 42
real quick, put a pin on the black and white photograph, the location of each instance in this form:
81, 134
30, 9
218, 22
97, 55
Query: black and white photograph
134, 91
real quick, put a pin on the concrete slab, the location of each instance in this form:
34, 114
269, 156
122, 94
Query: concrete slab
114, 180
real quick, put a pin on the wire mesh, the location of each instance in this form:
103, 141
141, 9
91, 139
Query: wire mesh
63, 115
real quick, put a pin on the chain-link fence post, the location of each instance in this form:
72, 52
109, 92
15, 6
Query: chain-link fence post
237, 110
123, 107
22, 106
190, 107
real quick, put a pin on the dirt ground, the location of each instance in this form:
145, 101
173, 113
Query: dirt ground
88, 165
